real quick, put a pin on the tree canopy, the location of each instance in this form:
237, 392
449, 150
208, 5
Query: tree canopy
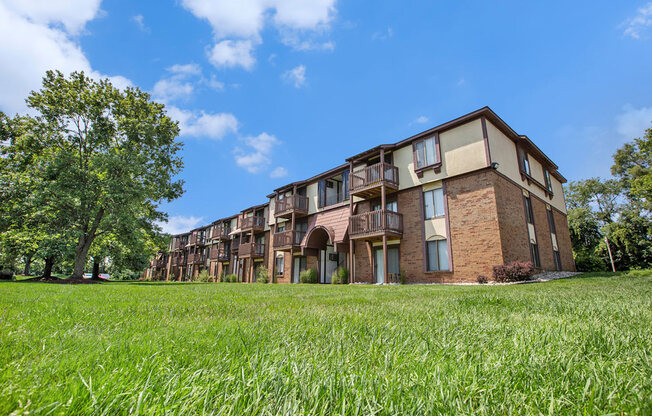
90, 162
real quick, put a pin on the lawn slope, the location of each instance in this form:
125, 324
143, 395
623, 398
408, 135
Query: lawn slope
573, 346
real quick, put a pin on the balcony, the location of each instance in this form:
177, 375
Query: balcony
376, 224
178, 261
253, 223
297, 204
196, 239
235, 245
161, 263
178, 245
220, 232
220, 254
286, 240
195, 258
252, 250
367, 183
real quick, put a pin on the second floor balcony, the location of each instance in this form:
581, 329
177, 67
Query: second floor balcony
376, 224
297, 204
162, 262
368, 182
286, 240
251, 250
252, 223
179, 260
220, 254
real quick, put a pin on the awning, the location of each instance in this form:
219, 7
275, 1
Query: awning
235, 232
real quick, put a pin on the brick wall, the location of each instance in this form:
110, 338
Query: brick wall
474, 226
511, 217
543, 233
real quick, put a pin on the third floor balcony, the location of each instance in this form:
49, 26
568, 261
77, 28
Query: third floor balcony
252, 223
367, 183
284, 207
220, 232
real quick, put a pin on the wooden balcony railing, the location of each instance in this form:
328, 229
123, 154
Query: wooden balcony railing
178, 245
178, 261
196, 239
235, 245
293, 203
288, 238
220, 232
373, 177
220, 254
195, 258
376, 222
252, 250
162, 262
253, 222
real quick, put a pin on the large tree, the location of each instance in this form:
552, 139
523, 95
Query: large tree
108, 158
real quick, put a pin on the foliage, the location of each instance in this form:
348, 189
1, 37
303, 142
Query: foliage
402, 277
516, 271
262, 275
308, 276
340, 276
96, 162
633, 166
482, 279
230, 278
202, 276
455, 350
126, 274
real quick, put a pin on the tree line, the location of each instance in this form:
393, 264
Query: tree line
613, 215
82, 176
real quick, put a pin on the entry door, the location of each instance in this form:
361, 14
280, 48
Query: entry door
380, 266
297, 269
322, 266
392, 264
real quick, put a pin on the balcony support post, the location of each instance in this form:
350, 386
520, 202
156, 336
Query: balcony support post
383, 202
351, 242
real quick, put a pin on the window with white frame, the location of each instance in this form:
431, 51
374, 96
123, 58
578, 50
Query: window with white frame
433, 203
437, 251
280, 263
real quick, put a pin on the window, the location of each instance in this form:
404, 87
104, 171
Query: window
553, 237
280, 263
433, 203
534, 253
546, 177
437, 255
425, 153
389, 206
528, 210
525, 161
280, 227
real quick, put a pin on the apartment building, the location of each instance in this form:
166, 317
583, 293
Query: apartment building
445, 205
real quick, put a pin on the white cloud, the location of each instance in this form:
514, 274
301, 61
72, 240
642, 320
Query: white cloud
259, 155
202, 124
639, 24
299, 41
278, 172
421, 120
240, 24
633, 122
140, 22
185, 70
179, 224
72, 14
171, 89
296, 76
229, 54
39, 36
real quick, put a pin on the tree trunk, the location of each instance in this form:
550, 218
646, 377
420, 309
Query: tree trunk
28, 266
47, 271
81, 253
96, 269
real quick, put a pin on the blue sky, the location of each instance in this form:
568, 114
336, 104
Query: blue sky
269, 92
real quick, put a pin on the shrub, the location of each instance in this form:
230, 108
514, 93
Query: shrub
515, 271
402, 277
202, 276
586, 261
308, 276
126, 275
262, 275
340, 276
229, 278
482, 279
6, 274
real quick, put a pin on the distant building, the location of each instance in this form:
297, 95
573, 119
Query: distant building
445, 205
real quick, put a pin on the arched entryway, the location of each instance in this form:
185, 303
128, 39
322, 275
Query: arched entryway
321, 255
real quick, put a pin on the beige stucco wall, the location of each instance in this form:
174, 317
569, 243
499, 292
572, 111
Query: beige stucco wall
462, 150
503, 151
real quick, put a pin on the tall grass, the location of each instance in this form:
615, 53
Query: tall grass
577, 346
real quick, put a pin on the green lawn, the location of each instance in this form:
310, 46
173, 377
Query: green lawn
574, 346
